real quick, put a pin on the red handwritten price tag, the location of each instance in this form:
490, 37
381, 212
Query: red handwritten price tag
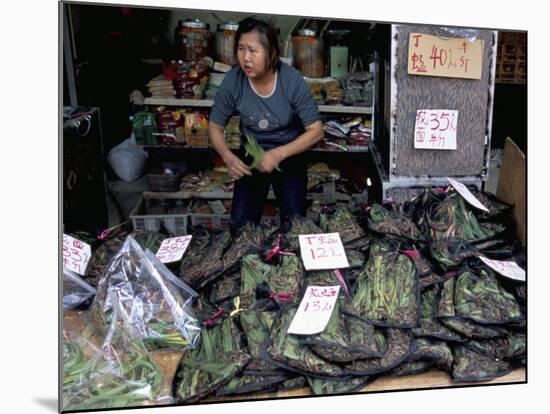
466, 194
314, 311
435, 129
322, 251
76, 254
172, 250
508, 269
453, 58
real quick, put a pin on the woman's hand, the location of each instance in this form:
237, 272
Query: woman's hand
236, 167
271, 160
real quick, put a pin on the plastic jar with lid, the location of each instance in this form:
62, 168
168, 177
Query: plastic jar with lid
225, 37
192, 38
308, 53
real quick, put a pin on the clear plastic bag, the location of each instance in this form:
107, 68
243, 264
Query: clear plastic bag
127, 160
119, 374
76, 292
155, 303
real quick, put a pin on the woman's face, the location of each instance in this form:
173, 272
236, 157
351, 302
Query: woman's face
252, 55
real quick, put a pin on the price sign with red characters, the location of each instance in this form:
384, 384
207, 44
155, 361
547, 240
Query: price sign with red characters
314, 311
172, 249
452, 58
435, 129
76, 254
322, 251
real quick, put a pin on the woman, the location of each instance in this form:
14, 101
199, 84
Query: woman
277, 109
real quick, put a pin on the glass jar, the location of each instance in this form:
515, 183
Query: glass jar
307, 49
192, 40
225, 37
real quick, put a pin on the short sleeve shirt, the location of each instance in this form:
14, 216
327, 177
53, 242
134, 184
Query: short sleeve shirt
273, 119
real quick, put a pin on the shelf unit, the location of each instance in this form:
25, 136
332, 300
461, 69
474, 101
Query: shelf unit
324, 197
207, 103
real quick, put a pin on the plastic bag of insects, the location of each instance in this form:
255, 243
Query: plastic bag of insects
157, 303
119, 374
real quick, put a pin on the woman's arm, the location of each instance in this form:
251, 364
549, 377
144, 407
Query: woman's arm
311, 136
236, 167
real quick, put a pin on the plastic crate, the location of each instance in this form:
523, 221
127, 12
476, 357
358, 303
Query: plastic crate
211, 221
176, 223
221, 221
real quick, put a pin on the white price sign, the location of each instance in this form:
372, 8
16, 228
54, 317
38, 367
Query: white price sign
172, 249
314, 311
508, 269
76, 254
322, 251
435, 129
466, 194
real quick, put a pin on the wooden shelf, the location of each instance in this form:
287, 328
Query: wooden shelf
207, 103
228, 195
198, 103
342, 109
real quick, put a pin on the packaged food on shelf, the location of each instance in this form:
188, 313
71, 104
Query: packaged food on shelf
191, 79
347, 134
359, 89
170, 126
214, 82
196, 128
144, 125
161, 87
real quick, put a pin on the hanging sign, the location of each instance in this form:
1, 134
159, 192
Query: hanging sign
172, 249
453, 58
466, 194
435, 129
508, 269
322, 251
76, 254
314, 311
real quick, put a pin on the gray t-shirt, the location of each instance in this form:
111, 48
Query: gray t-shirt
274, 119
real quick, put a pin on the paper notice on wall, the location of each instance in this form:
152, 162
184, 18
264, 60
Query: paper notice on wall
172, 249
454, 58
76, 254
322, 251
435, 129
314, 311
508, 269
466, 194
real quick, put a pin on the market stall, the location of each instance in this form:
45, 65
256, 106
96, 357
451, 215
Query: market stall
402, 274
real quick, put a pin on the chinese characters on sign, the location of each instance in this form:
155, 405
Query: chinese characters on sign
171, 250
508, 269
435, 129
76, 254
466, 194
314, 311
322, 251
454, 58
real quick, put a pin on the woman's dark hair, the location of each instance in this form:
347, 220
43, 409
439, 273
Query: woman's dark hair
268, 39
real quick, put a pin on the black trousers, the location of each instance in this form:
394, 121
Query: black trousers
289, 185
